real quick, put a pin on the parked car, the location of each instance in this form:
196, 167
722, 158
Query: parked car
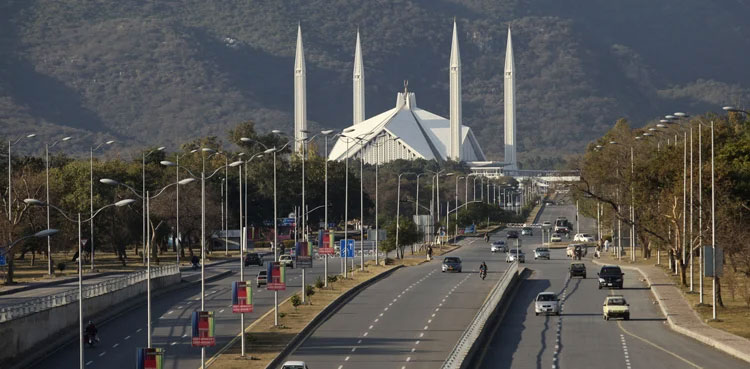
498, 246
262, 278
527, 231
556, 237
577, 270
610, 276
614, 307
294, 365
541, 253
547, 224
253, 258
546, 303
512, 234
286, 260
451, 264
511, 256
583, 237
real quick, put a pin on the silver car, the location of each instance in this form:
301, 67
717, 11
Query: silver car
546, 303
541, 253
511, 256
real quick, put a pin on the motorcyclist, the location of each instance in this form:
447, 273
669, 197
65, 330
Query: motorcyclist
483, 270
91, 331
195, 261
486, 237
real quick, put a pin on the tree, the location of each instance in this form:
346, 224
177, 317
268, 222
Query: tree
408, 234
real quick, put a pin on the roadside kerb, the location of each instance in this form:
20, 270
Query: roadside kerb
324, 315
469, 342
688, 322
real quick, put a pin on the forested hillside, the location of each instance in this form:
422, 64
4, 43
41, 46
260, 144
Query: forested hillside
164, 72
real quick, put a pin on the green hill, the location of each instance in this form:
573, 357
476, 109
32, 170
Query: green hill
163, 72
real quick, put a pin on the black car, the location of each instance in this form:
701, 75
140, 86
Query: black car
252, 258
610, 276
512, 234
578, 270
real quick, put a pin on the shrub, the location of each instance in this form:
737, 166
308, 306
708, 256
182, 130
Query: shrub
333, 278
319, 283
296, 301
309, 291
281, 315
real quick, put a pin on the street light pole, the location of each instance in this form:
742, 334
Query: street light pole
91, 195
49, 242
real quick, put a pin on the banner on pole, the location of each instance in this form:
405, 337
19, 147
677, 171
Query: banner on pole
348, 247
304, 254
203, 329
242, 297
708, 261
3, 262
326, 244
149, 358
276, 276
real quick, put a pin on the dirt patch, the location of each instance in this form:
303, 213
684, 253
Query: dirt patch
264, 341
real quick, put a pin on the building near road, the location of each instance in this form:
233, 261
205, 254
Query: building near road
407, 131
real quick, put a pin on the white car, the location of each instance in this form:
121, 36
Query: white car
556, 237
498, 246
546, 303
541, 253
511, 256
286, 260
583, 237
547, 224
294, 365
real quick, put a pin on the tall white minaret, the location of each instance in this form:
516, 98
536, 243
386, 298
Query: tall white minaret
455, 98
510, 106
358, 82
300, 93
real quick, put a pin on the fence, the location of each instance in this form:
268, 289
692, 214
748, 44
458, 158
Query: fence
36, 305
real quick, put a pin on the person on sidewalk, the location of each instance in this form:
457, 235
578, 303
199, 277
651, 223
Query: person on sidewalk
429, 252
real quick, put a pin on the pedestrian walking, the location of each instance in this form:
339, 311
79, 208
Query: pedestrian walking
429, 252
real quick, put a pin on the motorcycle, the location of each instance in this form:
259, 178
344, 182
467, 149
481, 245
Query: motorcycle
90, 339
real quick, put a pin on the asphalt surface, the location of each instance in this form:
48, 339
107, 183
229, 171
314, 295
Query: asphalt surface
586, 340
412, 319
171, 319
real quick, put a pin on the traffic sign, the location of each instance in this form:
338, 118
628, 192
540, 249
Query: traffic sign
349, 248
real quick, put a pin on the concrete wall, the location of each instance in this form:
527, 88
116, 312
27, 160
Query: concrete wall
26, 336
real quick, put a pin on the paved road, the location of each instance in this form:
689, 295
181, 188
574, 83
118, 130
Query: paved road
412, 319
171, 314
523, 340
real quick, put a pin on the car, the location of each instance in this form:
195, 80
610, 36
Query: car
512, 234
286, 260
556, 237
451, 264
498, 246
253, 258
547, 224
541, 253
511, 256
610, 276
294, 365
615, 306
527, 231
262, 278
561, 229
583, 237
546, 303
571, 250
577, 270
549, 202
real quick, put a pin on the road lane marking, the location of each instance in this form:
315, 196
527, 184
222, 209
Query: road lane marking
619, 324
115, 345
354, 349
408, 359
370, 327
127, 338
421, 335
365, 335
221, 311
170, 312
173, 343
138, 330
340, 366
347, 358
103, 353
358, 342
416, 343
89, 363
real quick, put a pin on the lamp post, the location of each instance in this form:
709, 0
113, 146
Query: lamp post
203, 151
331, 237
77, 220
143, 190
147, 197
49, 243
91, 194
10, 165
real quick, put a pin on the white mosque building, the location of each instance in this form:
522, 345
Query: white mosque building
406, 131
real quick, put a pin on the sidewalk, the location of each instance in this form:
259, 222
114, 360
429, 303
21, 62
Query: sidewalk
683, 319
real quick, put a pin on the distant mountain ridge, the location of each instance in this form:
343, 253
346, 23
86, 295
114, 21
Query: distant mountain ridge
162, 73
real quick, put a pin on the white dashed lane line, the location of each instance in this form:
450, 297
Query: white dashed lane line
88, 363
103, 353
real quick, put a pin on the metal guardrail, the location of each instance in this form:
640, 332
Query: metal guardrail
38, 304
470, 335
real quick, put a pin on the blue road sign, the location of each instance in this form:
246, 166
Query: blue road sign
349, 248
2, 257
